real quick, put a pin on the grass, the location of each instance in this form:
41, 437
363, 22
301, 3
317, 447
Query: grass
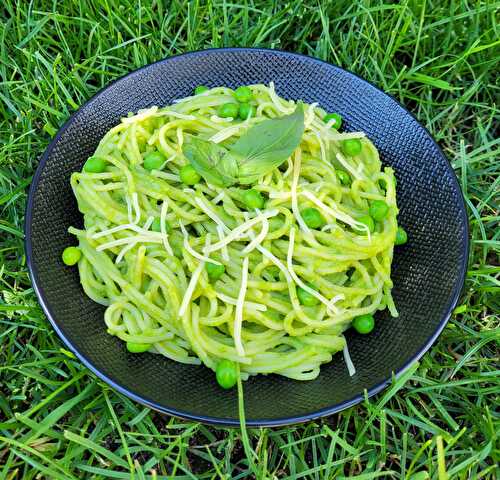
440, 421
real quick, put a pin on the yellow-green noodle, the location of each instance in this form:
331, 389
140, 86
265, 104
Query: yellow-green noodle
144, 290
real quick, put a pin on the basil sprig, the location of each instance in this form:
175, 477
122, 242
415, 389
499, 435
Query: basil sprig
261, 149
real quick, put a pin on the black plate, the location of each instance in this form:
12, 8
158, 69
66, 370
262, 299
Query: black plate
428, 272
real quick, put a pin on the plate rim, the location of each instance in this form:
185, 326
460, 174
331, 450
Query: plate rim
213, 420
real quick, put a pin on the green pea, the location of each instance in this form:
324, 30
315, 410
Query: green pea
214, 271
344, 177
71, 255
368, 221
200, 89
226, 373
189, 175
364, 323
153, 161
351, 147
305, 298
94, 165
401, 236
333, 116
379, 210
156, 225
312, 218
138, 347
253, 199
243, 94
246, 111
228, 110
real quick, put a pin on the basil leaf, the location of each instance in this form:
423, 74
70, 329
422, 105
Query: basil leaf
267, 145
210, 160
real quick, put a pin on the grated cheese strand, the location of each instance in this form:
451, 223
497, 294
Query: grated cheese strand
141, 115
276, 100
130, 246
123, 241
350, 366
211, 214
225, 134
218, 198
186, 299
259, 238
289, 261
238, 317
337, 214
233, 301
163, 229
295, 203
309, 116
276, 261
192, 251
135, 203
348, 167
220, 233
165, 175
182, 116
241, 229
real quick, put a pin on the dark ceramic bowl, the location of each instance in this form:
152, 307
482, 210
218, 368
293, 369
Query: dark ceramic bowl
428, 272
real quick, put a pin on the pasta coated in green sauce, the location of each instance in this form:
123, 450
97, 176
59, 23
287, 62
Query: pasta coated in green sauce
268, 278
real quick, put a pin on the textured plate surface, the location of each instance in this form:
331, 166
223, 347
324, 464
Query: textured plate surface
428, 272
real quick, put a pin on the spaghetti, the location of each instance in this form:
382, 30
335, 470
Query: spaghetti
192, 273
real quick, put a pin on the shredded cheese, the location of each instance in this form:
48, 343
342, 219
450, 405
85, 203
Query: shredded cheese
289, 262
276, 261
141, 115
190, 289
220, 233
321, 147
129, 210
282, 195
220, 225
135, 203
123, 241
192, 251
109, 231
289, 168
211, 214
225, 134
336, 213
238, 317
163, 229
259, 238
182, 116
124, 250
350, 366
217, 119
180, 139
218, 198
277, 101
295, 203
186, 299
240, 229
336, 299
165, 175
192, 97
309, 116
345, 136
348, 167
249, 305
